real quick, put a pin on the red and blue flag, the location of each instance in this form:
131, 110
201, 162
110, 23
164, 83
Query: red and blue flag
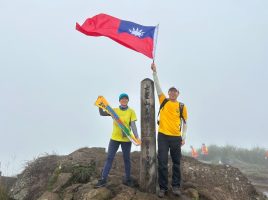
129, 34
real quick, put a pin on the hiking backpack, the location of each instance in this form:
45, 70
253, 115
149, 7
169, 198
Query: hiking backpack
181, 111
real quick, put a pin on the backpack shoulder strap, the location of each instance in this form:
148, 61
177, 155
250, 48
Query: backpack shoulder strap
181, 111
162, 105
181, 115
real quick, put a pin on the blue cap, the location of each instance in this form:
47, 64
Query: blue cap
123, 95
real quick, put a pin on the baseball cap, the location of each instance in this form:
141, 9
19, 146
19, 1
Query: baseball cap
173, 88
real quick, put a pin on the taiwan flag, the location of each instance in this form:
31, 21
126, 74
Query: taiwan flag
134, 36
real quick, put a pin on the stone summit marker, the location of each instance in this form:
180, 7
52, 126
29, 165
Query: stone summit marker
148, 137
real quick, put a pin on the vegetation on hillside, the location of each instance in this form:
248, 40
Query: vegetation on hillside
228, 154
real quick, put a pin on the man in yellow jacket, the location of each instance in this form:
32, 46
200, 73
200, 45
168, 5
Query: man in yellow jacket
171, 136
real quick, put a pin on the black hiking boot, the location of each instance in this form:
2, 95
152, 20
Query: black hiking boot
101, 183
129, 182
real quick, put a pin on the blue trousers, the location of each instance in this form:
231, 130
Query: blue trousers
165, 144
112, 149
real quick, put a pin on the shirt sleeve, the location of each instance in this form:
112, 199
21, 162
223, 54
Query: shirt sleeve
185, 113
161, 98
133, 116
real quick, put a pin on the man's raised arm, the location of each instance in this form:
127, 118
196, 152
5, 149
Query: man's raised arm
156, 81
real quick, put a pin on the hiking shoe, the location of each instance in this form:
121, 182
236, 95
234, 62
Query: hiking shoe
176, 191
101, 183
128, 182
161, 193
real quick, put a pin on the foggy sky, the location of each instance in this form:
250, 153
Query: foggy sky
215, 52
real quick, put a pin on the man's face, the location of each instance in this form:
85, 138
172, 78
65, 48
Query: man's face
124, 101
173, 94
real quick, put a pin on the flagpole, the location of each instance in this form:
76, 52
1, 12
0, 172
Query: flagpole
155, 40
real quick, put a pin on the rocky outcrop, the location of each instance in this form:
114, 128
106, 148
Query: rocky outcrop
72, 177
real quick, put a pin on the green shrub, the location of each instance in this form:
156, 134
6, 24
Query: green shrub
82, 174
52, 180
